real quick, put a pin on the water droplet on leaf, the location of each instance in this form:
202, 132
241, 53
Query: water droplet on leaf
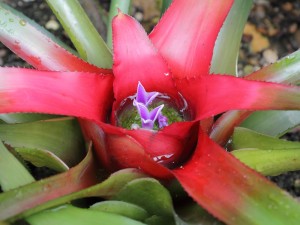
22, 22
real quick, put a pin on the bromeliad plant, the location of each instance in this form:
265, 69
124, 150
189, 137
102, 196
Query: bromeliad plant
153, 112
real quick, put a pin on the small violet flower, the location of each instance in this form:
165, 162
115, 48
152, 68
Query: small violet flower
144, 97
148, 118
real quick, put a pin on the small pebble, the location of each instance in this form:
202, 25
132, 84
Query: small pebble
297, 183
270, 55
293, 28
248, 69
260, 12
3, 52
52, 25
297, 37
287, 6
139, 16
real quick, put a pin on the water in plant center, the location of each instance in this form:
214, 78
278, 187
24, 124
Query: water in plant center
129, 118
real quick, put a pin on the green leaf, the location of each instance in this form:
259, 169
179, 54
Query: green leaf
270, 162
121, 208
246, 138
227, 46
115, 5
68, 214
190, 213
149, 194
165, 5
12, 172
265, 154
273, 123
61, 136
42, 158
86, 39
19, 201
24, 117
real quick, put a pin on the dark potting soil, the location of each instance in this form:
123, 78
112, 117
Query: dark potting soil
273, 31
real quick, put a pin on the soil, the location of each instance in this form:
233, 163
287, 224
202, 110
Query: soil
273, 31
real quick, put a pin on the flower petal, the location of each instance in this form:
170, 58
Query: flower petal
77, 94
210, 95
145, 97
186, 35
231, 191
136, 59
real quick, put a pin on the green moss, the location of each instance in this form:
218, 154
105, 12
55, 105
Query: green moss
130, 115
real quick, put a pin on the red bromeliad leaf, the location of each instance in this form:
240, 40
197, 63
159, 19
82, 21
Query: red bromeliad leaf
228, 121
136, 59
76, 94
214, 94
37, 49
233, 192
128, 153
169, 146
186, 35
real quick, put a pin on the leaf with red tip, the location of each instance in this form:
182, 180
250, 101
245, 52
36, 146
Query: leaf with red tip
136, 59
269, 122
233, 192
186, 35
36, 48
214, 94
76, 94
19, 200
